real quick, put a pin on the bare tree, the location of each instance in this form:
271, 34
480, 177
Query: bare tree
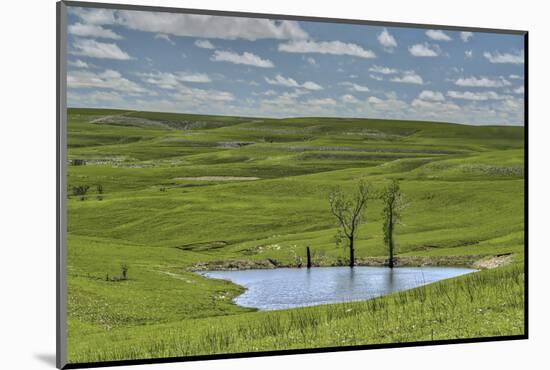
350, 213
393, 204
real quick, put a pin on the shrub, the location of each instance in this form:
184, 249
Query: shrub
81, 191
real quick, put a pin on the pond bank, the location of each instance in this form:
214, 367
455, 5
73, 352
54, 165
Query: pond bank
473, 261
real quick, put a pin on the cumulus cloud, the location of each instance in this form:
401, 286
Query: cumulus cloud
519, 90
376, 77
290, 82
482, 82
326, 47
245, 58
391, 106
438, 35
387, 40
466, 36
382, 70
92, 30
109, 79
349, 99
503, 58
95, 49
172, 81
321, 102
194, 25
355, 87
78, 64
423, 50
477, 96
431, 95
204, 44
200, 96
409, 77
469, 54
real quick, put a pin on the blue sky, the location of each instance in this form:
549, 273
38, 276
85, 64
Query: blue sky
260, 67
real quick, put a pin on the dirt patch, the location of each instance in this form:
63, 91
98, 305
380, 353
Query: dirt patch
493, 262
237, 265
217, 178
467, 260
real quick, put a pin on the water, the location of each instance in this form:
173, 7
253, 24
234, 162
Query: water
291, 287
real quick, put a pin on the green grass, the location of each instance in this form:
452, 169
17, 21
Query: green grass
464, 187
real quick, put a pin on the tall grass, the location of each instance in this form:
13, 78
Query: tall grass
486, 303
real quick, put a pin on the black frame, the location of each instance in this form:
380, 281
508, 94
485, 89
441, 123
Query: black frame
61, 117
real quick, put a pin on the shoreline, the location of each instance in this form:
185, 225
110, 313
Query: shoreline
477, 261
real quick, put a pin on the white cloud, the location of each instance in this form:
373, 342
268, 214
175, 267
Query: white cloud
79, 64
387, 40
246, 58
376, 77
434, 110
200, 96
499, 58
97, 97
94, 16
465, 36
482, 82
309, 85
173, 81
204, 44
195, 25
321, 102
326, 47
469, 54
355, 87
163, 36
92, 30
96, 49
382, 70
290, 82
431, 95
515, 77
477, 96
423, 50
409, 77
520, 90
438, 35
392, 106
109, 79
349, 99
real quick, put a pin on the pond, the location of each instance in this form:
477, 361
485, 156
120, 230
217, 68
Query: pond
292, 287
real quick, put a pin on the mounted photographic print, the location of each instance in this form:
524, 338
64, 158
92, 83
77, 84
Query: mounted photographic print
235, 184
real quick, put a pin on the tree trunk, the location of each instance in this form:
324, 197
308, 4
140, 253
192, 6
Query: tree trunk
351, 253
390, 239
308, 258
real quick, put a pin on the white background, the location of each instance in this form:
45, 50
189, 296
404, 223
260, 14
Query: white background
27, 182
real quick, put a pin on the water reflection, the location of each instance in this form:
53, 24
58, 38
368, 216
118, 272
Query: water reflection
286, 288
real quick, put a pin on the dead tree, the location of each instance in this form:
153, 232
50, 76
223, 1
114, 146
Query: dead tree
350, 213
393, 203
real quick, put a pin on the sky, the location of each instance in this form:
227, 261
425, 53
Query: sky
204, 64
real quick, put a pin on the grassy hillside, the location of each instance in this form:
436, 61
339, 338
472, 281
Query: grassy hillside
178, 190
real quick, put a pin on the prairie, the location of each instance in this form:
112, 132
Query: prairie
167, 193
